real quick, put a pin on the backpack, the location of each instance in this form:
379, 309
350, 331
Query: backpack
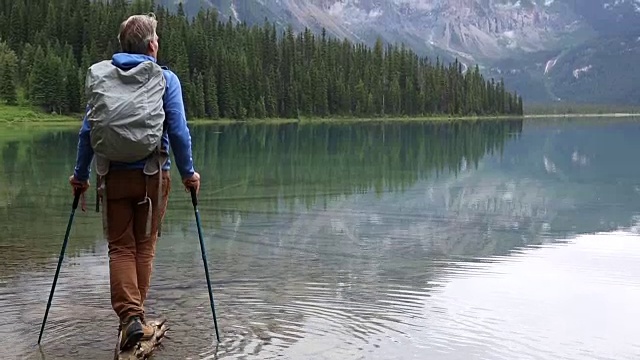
126, 113
127, 121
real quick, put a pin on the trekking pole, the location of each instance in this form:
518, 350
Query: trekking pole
76, 199
194, 200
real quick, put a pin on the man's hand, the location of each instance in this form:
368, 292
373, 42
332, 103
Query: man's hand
77, 184
192, 182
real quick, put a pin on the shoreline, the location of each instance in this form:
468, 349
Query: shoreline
24, 116
591, 115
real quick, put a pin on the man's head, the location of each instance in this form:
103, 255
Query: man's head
138, 35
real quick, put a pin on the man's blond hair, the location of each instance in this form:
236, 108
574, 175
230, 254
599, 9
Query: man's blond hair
137, 32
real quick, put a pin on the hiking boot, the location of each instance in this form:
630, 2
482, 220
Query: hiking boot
132, 332
147, 330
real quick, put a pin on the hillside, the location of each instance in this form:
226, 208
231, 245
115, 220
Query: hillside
495, 34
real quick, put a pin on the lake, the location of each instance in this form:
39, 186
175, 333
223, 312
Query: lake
493, 239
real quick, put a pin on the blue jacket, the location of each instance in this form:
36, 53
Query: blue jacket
177, 131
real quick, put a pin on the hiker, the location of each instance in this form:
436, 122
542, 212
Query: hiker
130, 100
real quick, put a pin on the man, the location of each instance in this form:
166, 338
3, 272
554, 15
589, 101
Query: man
130, 195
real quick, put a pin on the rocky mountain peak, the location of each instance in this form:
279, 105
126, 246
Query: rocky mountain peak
470, 29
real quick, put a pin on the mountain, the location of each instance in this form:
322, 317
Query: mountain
598, 71
515, 39
469, 29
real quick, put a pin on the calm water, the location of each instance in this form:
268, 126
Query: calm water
487, 240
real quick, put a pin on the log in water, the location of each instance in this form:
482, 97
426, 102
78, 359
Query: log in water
143, 349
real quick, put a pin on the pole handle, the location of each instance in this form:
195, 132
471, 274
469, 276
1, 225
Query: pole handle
76, 198
97, 200
194, 197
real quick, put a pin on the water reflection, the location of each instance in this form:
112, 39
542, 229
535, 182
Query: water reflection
291, 164
406, 240
571, 301
248, 169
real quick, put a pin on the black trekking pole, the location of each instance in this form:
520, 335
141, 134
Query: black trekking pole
76, 199
194, 200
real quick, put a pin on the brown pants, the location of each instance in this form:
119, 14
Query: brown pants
131, 253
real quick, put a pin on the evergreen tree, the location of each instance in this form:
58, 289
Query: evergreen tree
211, 95
39, 91
260, 109
8, 69
199, 102
17, 21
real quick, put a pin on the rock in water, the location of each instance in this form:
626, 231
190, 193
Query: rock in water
143, 349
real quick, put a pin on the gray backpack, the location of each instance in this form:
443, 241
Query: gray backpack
127, 119
126, 110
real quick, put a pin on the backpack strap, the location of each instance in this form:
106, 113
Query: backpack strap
161, 155
101, 195
160, 164
165, 126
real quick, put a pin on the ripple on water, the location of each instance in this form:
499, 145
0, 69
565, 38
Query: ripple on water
571, 301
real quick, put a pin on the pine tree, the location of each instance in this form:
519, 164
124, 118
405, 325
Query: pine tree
17, 21
8, 67
225, 97
260, 109
271, 105
199, 101
211, 95
38, 79
70, 83
56, 88
520, 106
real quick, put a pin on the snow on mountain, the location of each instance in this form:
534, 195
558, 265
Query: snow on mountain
471, 29
613, 4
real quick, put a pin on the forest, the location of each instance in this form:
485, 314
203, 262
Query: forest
233, 70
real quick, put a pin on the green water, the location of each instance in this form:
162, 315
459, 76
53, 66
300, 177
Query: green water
465, 240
